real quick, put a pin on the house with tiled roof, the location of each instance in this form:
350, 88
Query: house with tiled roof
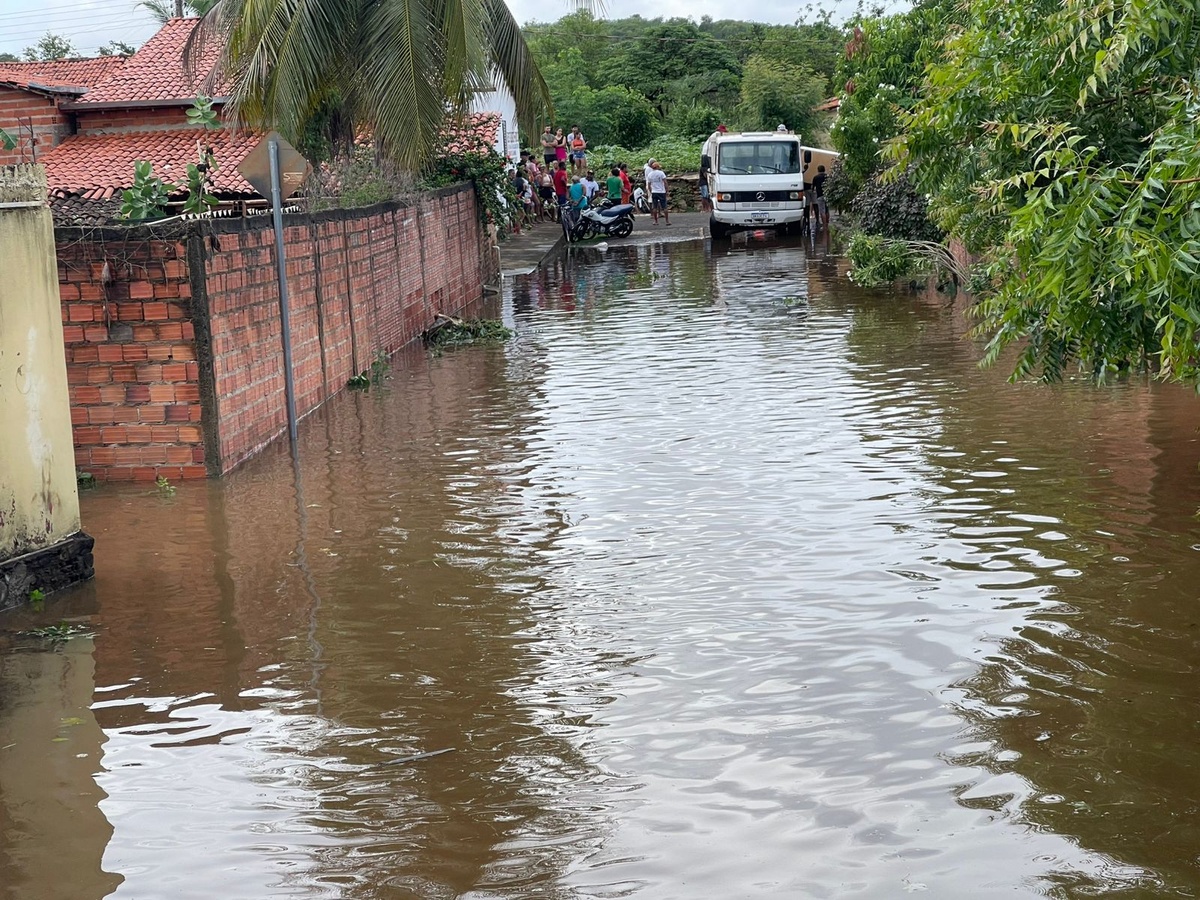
33, 96
112, 112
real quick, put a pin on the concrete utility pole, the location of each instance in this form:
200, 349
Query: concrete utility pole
179, 9
41, 546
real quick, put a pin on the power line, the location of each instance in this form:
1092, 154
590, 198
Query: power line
41, 12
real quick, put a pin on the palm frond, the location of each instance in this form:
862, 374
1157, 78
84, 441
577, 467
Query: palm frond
512, 60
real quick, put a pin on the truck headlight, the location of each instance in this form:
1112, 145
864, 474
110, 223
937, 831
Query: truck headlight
724, 198
794, 195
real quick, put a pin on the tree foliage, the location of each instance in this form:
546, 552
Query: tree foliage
775, 92
396, 66
116, 48
1060, 138
163, 10
693, 75
49, 47
881, 75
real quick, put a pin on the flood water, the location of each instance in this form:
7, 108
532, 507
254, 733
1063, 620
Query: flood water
724, 579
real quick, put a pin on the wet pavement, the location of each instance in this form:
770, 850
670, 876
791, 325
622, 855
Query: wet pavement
723, 579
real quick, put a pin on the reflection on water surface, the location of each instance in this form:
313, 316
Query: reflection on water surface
724, 579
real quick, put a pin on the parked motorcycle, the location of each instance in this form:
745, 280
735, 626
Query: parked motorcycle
615, 220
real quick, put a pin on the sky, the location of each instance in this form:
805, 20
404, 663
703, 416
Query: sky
90, 23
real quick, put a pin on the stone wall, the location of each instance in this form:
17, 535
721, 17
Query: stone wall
173, 335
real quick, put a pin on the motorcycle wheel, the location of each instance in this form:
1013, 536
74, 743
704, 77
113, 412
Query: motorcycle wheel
583, 230
624, 228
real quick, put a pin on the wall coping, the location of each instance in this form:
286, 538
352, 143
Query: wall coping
180, 230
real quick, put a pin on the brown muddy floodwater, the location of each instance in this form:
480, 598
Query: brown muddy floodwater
725, 579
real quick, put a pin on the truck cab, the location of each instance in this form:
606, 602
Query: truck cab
756, 179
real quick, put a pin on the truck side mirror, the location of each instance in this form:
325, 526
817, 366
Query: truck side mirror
807, 157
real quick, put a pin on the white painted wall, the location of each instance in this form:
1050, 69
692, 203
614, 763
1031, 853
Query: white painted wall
39, 500
501, 101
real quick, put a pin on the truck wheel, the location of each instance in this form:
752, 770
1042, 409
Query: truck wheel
718, 230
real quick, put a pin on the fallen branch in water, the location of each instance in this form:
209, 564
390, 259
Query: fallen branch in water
416, 757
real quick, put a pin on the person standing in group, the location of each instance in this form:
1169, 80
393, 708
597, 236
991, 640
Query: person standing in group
615, 186
657, 182
561, 183
548, 155
626, 183
590, 186
560, 146
818, 189
646, 169
546, 192
533, 175
576, 194
520, 186
578, 148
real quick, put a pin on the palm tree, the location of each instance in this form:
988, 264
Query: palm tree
162, 10
397, 66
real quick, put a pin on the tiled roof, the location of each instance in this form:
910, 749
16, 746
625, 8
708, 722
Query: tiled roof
70, 76
476, 133
99, 166
157, 71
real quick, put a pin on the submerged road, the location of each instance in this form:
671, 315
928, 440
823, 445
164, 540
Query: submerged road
723, 579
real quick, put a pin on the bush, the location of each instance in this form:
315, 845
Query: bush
678, 156
694, 121
839, 189
888, 205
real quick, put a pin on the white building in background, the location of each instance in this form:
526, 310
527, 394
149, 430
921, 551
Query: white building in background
500, 101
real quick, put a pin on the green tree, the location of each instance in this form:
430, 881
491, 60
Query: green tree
50, 47
9, 57
775, 92
397, 66
676, 60
881, 75
580, 32
116, 48
1060, 138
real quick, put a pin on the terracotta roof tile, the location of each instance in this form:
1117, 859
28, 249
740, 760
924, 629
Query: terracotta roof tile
476, 133
60, 75
98, 166
156, 71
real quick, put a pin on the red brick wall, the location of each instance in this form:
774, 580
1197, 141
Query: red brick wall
22, 110
148, 118
175, 359
358, 283
131, 357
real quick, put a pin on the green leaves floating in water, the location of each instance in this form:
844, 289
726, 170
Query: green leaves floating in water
459, 332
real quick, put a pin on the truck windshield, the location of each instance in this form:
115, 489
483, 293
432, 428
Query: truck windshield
759, 158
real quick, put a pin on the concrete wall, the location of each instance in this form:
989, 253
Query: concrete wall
173, 334
39, 501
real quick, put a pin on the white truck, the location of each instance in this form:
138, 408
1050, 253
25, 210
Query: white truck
756, 179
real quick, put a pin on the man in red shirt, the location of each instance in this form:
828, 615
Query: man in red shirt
561, 183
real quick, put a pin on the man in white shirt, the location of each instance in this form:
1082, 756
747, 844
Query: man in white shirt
656, 180
590, 186
646, 171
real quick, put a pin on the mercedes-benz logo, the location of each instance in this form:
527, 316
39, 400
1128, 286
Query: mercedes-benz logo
760, 196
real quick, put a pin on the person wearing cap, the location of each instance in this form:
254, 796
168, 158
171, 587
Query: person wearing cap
646, 171
781, 127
